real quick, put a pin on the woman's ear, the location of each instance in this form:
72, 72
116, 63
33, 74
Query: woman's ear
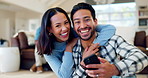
49, 29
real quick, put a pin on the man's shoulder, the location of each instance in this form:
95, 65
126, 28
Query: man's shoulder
116, 39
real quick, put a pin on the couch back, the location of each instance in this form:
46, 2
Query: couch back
20, 41
140, 39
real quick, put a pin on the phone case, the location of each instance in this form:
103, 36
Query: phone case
93, 59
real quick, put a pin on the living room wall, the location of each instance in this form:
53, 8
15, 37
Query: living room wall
12, 22
6, 24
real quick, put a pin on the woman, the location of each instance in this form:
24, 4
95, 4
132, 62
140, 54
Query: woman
56, 32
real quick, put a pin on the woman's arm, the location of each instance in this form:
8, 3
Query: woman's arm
61, 67
105, 33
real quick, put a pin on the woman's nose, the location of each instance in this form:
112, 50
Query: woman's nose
64, 28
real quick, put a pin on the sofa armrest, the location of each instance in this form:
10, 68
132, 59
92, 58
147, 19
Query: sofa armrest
147, 42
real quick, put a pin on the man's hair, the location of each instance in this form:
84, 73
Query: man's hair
80, 6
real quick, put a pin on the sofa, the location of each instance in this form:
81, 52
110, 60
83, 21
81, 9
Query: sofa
141, 41
26, 51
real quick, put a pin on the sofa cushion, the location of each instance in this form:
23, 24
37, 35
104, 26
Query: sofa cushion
27, 54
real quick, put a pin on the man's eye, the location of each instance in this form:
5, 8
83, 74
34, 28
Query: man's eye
77, 22
87, 20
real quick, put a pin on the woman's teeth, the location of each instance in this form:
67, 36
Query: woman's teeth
64, 34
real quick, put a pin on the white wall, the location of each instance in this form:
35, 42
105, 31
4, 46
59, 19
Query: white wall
11, 22
34, 5
6, 24
22, 20
128, 33
142, 2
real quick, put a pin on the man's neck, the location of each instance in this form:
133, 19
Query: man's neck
87, 43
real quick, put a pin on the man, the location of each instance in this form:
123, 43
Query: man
39, 60
133, 60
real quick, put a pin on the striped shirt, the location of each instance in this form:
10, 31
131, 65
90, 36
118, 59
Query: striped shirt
133, 60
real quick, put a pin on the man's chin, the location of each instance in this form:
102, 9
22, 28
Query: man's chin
85, 39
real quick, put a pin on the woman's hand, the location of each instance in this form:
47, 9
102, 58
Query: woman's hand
92, 49
70, 45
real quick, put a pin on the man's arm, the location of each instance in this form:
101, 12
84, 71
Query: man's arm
134, 60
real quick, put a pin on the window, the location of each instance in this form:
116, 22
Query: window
121, 14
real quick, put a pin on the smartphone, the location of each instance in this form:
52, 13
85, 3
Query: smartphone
92, 59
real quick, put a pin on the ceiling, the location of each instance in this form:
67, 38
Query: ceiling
41, 6
35, 5
10, 7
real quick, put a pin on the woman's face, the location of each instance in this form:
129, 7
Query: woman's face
60, 27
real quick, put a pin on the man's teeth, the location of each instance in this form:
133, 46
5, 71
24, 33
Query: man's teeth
64, 34
84, 31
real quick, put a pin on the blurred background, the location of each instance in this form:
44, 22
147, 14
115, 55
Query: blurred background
25, 15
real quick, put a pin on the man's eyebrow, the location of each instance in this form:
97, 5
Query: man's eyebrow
86, 17
75, 19
83, 17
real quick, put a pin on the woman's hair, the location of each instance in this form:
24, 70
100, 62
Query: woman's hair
45, 43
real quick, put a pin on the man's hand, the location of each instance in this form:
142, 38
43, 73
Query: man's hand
105, 69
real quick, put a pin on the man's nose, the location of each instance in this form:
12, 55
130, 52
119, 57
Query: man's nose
83, 24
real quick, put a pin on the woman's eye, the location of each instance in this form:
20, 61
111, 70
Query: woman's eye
57, 25
67, 22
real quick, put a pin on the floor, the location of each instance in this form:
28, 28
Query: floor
27, 74
46, 74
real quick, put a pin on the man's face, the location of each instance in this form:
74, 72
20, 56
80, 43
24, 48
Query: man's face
84, 24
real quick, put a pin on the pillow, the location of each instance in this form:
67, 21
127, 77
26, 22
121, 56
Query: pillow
128, 33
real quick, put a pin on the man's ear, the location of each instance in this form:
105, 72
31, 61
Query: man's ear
96, 22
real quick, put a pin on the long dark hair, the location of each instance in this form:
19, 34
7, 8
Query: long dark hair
45, 43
